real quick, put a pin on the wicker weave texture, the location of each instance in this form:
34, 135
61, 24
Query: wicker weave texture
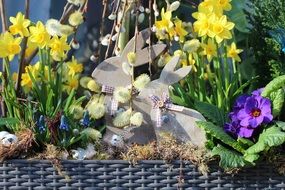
120, 175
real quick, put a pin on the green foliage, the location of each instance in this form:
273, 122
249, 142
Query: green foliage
219, 133
267, 15
273, 136
211, 112
228, 158
274, 85
277, 98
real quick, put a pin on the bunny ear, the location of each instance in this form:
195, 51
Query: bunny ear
110, 73
142, 37
143, 55
169, 76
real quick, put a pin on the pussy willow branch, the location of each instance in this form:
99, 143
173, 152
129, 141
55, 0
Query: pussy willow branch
137, 4
4, 28
113, 29
104, 13
22, 58
120, 23
149, 38
3, 16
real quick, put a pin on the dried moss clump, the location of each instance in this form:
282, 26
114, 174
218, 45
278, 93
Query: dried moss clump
22, 147
169, 149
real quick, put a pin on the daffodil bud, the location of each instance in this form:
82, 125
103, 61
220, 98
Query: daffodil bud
141, 81
191, 46
132, 58
76, 18
122, 94
136, 119
123, 119
174, 6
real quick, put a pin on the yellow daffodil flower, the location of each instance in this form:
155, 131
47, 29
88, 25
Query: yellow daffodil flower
221, 29
58, 47
165, 24
74, 67
183, 57
19, 25
9, 46
31, 47
214, 6
39, 35
203, 24
15, 77
209, 49
70, 84
192, 62
26, 82
179, 30
233, 52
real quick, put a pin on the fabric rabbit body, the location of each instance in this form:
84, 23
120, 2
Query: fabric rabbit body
159, 114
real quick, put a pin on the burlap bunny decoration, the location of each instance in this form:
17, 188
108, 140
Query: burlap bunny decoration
110, 73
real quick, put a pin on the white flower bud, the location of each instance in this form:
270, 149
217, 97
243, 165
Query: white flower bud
141, 9
112, 16
93, 58
115, 37
141, 18
174, 6
147, 10
75, 44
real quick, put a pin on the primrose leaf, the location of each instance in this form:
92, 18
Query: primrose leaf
274, 85
220, 134
270, 137
228, 158
277, 98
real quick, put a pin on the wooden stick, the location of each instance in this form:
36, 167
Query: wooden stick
22, 58
4, 29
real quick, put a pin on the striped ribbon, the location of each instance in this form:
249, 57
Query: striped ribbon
160, 103
114, 103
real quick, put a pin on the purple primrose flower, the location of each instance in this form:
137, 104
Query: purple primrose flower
249, 112
257, 110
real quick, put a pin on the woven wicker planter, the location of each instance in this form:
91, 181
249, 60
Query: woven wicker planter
113, 174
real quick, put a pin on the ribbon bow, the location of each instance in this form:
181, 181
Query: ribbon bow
163, 103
